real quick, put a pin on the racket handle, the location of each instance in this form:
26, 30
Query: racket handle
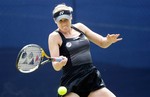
59, 59
51, 59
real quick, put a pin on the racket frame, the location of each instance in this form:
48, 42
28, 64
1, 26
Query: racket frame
43, 54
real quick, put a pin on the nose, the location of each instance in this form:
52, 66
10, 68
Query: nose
63, 22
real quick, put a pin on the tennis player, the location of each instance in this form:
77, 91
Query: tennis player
72, 43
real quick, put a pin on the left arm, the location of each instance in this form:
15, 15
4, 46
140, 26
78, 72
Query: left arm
99, 40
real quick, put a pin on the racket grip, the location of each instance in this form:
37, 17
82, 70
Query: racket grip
58, 59
52, 59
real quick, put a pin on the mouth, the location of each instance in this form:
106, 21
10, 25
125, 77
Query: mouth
65, 26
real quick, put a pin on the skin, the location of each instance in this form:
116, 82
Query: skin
55, 41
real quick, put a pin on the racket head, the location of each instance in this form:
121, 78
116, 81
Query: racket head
29, 58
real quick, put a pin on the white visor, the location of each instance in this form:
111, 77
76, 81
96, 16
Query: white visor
62, 17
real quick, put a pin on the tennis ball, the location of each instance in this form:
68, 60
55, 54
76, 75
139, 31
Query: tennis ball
62, 90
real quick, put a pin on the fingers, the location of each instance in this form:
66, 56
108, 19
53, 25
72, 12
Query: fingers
119, 39
113, 35
64, 58
113, 38
64, 61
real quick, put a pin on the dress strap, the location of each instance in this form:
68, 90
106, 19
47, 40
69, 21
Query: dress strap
62, 36
75, 28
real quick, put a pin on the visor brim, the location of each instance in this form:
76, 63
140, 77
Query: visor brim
62, 17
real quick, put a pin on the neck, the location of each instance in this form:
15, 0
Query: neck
66, 30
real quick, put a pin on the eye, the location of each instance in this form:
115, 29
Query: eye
63, 20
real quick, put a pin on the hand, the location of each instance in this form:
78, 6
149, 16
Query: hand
112, 38
64, 60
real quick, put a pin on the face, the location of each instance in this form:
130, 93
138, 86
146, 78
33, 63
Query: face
64, 25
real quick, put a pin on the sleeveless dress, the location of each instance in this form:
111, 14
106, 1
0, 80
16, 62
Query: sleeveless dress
79, 74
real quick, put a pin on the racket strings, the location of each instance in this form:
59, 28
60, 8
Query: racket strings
29, 59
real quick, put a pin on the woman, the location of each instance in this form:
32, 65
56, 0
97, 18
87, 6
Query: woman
71, 42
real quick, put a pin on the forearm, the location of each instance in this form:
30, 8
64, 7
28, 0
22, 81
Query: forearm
99, 40
105, 43
57, 66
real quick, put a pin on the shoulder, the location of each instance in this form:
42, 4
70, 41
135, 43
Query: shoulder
54, 36
81, 27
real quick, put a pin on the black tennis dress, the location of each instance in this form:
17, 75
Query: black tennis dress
79, 74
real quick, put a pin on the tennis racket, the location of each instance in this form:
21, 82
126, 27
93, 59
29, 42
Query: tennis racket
31, 57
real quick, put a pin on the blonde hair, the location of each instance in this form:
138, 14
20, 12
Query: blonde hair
62, 6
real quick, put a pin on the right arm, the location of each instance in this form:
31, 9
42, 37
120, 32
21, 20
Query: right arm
54, 41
